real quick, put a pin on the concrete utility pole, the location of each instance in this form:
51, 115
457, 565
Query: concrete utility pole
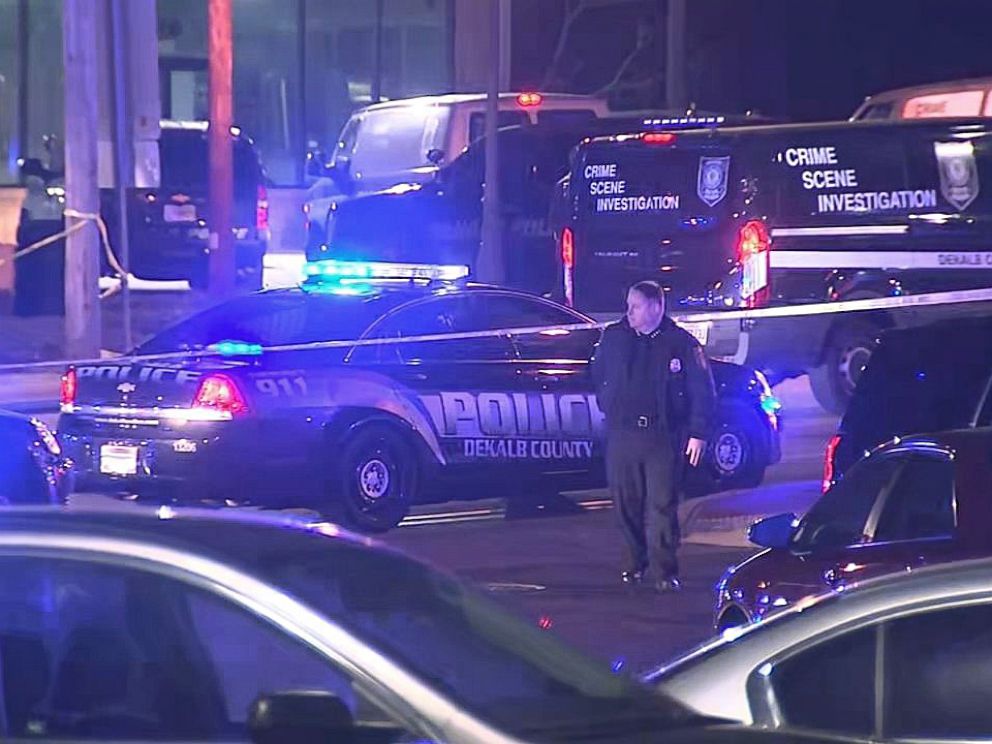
82, 257
491, 267
675, 87
123, 161
222, 264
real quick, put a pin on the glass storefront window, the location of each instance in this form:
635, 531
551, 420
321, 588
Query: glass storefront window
302, 67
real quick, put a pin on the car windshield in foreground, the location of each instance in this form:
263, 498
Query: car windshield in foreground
508, 673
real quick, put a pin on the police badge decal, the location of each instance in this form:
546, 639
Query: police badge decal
711, 183
958, 172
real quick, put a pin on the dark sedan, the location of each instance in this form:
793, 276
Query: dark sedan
910, 503
33, 469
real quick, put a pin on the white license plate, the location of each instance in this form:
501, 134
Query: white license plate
755, 274
179, 212
700, 331
118, 459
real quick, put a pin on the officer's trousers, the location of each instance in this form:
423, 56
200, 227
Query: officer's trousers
643, 475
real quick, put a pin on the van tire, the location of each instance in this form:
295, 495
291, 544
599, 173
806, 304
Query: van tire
849, 347
374, 480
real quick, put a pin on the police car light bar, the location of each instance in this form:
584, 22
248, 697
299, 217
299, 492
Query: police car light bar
328, 268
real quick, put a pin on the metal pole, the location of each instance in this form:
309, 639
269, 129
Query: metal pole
380, 14
82, 257
675, 89
122, 161
491, 267
221, 152
23, 61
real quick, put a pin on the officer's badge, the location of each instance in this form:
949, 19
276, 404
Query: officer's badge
958, 172
711, 183
675, 366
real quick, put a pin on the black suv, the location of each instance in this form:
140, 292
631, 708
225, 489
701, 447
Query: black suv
932, 378
167, 226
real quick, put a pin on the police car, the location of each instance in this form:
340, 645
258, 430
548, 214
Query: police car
786, 226
361, 429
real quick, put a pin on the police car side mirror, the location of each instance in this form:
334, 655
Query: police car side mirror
435, 156
300, 716
773, 532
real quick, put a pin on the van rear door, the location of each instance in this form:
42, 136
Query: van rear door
656, 206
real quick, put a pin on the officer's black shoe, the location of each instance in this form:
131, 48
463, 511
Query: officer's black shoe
668, 586
631, 578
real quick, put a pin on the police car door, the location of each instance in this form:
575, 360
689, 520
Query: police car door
557, 411
464, 385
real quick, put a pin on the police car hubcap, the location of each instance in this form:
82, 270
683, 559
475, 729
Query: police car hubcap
374, 479
729, 452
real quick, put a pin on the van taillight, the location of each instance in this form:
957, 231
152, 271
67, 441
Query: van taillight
262, 209
658, 138
829, 469
568, 248
568, 264
753, 251
68, 387
221, 394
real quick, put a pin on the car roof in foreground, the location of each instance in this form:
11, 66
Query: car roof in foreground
246, 539
917, 588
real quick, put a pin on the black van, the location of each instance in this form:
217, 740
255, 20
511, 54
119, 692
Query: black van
933, 378
440, 220
786, 216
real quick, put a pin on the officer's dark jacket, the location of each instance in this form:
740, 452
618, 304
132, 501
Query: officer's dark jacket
687, 397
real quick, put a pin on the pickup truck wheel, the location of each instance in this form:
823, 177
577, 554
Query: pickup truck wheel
375, 480
847, 353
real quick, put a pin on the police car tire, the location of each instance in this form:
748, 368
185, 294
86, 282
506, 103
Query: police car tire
830, 388
379, 452
743, 426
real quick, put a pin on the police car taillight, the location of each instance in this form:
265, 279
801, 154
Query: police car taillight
753, 249
68, 387
262, 209
829, 469
220, 394
658, 138
529, 100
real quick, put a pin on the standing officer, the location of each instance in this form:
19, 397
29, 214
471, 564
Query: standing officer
654, 384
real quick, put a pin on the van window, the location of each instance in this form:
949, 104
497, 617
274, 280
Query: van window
477, 123
397, 139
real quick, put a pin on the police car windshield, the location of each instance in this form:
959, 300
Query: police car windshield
273, 319
509, 673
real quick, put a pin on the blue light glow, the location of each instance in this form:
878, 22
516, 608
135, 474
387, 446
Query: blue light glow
770, 404
328, 268
236, 348
618, 664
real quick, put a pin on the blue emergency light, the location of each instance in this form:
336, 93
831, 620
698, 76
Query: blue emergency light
235, 348
349, 271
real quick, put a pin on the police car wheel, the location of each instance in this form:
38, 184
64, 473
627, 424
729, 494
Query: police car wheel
847, 353
377, 480
735, 456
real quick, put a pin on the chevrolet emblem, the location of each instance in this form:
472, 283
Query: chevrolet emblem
126, 387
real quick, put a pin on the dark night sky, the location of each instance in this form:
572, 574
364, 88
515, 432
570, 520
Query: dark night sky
800, 59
